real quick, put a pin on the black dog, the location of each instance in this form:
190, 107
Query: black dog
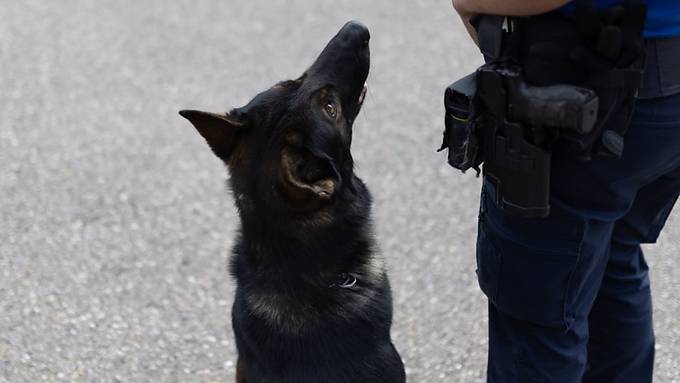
313, 302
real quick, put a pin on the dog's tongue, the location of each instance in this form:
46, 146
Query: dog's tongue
362, 95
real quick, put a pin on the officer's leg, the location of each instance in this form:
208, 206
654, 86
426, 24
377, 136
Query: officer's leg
621, 346
622, 337
541, 277
522, 351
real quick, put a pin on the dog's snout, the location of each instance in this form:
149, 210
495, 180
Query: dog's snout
357, 31
344, 63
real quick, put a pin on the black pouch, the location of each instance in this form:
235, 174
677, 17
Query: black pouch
461, 129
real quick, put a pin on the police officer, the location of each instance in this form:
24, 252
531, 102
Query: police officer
569, 295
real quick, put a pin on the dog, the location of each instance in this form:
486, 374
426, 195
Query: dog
313, 301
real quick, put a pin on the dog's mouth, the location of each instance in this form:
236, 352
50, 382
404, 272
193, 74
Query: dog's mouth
362, 95
359, 103
307, 176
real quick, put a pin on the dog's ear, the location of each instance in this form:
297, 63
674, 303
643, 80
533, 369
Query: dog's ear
307, 177
219, 130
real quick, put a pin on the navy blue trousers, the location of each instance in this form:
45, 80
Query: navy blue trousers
569, 295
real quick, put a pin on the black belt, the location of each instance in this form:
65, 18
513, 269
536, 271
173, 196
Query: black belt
662, 68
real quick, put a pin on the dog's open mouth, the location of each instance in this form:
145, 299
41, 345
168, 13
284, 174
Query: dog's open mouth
305, 174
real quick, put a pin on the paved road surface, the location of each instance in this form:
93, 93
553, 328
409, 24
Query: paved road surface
114, 219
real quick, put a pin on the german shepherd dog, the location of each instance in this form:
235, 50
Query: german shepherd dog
313, 302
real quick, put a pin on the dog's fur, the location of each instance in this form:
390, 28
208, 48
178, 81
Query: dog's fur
313, 302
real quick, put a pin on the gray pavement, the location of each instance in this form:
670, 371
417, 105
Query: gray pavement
115, 222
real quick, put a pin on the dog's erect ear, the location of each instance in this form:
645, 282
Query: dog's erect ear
219, 130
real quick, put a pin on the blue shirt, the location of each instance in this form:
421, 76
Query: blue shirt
663, 16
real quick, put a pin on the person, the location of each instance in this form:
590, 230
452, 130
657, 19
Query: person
569, 295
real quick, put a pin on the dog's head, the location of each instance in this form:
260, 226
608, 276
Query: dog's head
289, 147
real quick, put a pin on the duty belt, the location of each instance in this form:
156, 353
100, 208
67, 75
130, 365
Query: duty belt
549, 80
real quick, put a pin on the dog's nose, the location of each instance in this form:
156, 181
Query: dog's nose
357, 31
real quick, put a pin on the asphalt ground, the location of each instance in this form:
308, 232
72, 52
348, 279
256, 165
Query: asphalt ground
115, 223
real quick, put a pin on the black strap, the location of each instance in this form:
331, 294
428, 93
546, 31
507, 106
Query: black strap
490, 34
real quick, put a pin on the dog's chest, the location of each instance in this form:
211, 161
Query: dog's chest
292, 315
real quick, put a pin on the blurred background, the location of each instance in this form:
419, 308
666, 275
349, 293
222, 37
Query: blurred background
115, 222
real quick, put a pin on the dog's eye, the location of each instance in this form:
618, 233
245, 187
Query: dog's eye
331, 109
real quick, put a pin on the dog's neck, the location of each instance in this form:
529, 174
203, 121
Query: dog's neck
307, 246
334, 241
303, 269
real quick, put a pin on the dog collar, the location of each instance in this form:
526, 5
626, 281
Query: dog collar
345, 281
